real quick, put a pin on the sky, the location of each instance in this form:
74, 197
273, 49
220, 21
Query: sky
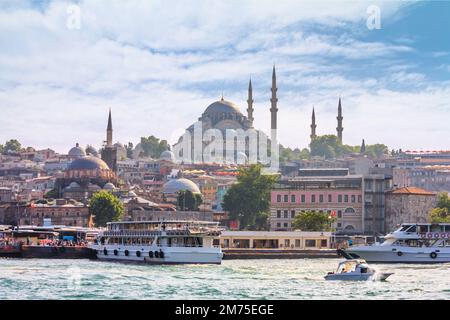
159, 64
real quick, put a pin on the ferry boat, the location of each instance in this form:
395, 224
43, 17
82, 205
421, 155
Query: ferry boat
160, 242
411, 243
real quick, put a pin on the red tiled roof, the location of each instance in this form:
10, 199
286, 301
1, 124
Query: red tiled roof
412, 190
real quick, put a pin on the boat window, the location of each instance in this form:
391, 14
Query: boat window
413, 228
423, 228
405, 227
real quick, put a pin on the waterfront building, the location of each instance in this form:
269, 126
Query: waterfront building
275, 240
356, 200
58, 212
408, 205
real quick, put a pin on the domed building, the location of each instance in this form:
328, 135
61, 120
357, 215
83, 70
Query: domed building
171, 188
91, 151
85, 176
167, 156
76, 152
225, 115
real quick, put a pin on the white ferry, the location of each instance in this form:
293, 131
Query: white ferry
411, 243
160, 242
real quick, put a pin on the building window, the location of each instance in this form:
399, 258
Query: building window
292, 214
339, 225
293, 198
340, 198
330, 198
303, 198
285, 214
285, 224
313, 198
278, 225
297, 243
278, 213
339, 214
359, 198
346, 198
321, 198
310, 243
353, 198
286, 197
278, 197
323, 243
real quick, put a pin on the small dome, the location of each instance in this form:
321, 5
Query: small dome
109, 186
92, 186
90, 150
167, 155
132, 194
175, 185
77, 151
73, 185
88, 163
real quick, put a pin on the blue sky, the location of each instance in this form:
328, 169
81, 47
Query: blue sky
159, 64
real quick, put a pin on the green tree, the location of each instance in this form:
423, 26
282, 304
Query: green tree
105, 207
248, 200
440, 214
313, 221
12, 145
187, 200
153, 147
327, 146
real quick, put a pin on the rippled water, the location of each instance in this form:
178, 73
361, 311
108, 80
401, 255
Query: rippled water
234, 279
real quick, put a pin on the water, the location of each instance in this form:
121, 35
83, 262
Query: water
234, 279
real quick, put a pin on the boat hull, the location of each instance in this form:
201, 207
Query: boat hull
380, 276
171, 255
400, 255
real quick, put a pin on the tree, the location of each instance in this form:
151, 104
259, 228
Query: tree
313, 221
441, 214
12, 145
327, 146
153, 147
105, 207
52, 194
248, 200
189, 201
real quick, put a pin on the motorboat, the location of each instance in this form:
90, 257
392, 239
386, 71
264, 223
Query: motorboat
356, 270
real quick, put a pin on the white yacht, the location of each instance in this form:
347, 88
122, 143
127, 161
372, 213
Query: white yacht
160, 242
411, 243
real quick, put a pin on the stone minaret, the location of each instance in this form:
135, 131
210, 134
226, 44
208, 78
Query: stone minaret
250, 103
109, 131
274, 100
313, 126
339, 118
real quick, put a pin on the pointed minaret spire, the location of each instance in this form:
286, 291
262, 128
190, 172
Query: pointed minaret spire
313, 125
250, 103
109, 131
274, 100
363, 147
339, 118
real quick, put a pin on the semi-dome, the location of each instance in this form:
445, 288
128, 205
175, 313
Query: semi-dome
109, 186
167, 155
88, 163
77, 151
175, 185
221, 107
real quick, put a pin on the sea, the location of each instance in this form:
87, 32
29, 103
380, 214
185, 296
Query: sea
281, 279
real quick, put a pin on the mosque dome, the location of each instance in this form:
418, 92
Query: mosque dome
167, 155
77, 151
109, 186
90, 150
222, 107
175, 185
88, 163
73, 185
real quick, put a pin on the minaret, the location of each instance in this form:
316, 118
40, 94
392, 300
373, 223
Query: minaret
339, 118
109, 131
363, 147
313, 126
274, 100
250, 103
